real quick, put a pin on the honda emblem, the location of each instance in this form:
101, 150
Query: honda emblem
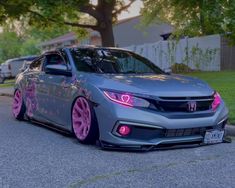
192, 106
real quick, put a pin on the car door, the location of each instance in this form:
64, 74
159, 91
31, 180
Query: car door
32, 91
56, 105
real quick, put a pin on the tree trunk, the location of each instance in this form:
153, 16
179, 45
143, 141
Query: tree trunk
107, 36
105, 22
202, 17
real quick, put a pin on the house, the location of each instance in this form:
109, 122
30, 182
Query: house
127, 32
71, 39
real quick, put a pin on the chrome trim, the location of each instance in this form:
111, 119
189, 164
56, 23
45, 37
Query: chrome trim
181, 140
221, 121
140, 124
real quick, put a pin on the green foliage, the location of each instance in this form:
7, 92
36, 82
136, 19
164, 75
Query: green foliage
9, 46
13, 44
180, 68
199, 56
8, 83
29, 47
193, 17
20, 39
46, 33
45, 13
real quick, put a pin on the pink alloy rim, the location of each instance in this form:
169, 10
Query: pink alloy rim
17, 103
81, 118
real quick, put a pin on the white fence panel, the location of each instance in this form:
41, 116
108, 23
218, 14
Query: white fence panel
200, 53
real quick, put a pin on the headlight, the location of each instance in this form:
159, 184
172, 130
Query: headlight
217, 101
126, 99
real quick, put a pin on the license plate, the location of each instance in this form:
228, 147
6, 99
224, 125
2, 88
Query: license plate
213, 136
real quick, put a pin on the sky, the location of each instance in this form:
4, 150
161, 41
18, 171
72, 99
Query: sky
134, 10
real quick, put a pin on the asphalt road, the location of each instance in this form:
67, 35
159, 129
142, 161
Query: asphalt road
33, 156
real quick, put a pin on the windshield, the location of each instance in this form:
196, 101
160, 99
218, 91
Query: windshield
112, 61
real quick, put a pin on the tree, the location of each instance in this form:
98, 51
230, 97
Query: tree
42, 13
14, 44
193, 17
10, 46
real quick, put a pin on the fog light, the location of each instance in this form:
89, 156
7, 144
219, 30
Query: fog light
124, 130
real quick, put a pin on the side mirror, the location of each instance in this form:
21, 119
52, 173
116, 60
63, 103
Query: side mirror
58, 70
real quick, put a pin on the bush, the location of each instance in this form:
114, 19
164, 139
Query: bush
180, 68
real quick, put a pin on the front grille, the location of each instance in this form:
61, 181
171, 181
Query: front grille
186, 98
181, 104
186, 132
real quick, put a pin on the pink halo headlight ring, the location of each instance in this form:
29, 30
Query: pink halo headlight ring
126, 99
217, 101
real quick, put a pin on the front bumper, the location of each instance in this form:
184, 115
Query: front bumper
153, 127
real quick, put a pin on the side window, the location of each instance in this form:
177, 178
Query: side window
64, 55
36, 65
83, 59
54, 59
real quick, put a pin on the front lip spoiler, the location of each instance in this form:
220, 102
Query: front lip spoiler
146, 148
164, 145
153, 145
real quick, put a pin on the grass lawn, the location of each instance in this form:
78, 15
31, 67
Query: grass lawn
224, 83
8, 83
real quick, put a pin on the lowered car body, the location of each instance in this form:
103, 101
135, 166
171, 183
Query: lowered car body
119, 98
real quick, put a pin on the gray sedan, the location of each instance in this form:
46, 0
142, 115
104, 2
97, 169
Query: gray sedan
118, 98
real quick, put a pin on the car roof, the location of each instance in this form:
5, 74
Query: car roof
98, 48
88, 47
22, 58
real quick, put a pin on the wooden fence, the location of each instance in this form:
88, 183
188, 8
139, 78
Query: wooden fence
227, 55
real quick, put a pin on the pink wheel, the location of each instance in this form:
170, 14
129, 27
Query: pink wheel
18, 106
83, 123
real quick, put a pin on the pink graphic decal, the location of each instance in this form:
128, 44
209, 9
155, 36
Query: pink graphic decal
31, 101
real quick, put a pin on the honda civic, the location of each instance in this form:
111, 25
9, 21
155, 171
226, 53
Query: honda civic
118, 99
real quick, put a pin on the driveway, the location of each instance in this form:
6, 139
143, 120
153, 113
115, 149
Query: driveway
33, 156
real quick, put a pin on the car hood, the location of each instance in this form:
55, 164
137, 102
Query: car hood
152, 84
